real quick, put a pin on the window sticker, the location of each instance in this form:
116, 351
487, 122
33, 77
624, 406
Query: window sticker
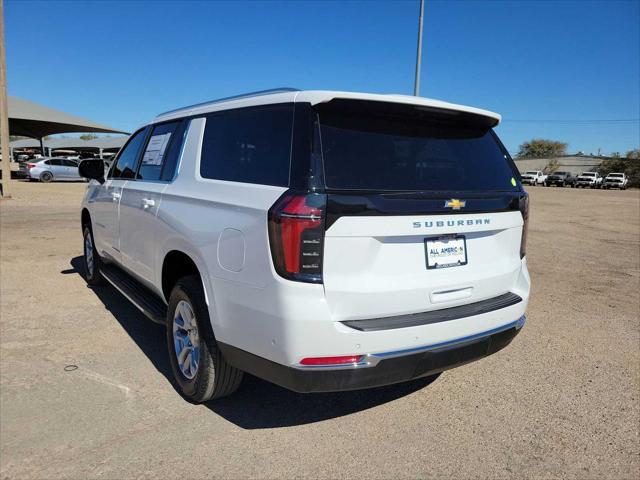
155, 150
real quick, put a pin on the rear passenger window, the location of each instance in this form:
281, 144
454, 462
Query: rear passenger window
162, 145
128, 157
55, 163
251, 145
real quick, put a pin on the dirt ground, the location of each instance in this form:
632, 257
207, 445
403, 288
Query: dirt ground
85, 390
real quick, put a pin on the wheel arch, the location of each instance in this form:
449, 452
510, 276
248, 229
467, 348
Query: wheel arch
176, 265
85, 218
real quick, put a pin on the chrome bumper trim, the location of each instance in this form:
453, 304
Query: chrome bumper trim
372, 359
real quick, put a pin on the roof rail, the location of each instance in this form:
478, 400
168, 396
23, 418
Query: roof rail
234, 97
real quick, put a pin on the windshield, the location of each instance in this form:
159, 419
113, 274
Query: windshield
588, 174
531, 172
398, 149
559, 174
615, 175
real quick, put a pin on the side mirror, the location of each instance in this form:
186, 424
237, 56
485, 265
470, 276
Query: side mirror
92, 169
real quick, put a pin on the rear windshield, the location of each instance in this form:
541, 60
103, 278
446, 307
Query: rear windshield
410, 149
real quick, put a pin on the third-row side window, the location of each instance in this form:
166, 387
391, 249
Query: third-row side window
251, 145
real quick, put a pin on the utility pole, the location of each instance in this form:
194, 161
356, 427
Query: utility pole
4, 114
416, 88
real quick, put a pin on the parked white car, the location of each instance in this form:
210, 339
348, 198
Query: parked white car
533, 177
589, 179
394, 249
51, 169
615, 180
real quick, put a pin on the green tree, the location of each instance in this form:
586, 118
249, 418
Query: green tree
88, 136
542, 148
634, 154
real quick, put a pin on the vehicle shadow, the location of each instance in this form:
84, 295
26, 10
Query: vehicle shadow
149, 336
257, 404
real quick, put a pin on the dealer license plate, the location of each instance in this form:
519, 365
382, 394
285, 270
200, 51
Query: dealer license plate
445, 252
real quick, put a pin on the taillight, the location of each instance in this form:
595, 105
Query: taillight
30, 165
296, 235
524, 210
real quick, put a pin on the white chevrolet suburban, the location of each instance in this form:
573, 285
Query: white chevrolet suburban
323, 241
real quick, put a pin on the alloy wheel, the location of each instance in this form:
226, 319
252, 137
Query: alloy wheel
186, 339
88, 253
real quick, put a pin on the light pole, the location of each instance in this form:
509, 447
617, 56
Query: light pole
416, 88
4, 114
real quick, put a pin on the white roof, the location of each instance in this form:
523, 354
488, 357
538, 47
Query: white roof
315, 97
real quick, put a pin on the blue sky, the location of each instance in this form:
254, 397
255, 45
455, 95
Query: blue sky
559, 70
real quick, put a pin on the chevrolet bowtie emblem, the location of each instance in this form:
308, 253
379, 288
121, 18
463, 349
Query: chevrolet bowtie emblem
455, 203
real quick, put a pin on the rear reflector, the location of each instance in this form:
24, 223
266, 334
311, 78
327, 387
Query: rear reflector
343, 360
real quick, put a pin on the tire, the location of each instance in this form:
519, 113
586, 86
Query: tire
92, 262
212, 377
46, 177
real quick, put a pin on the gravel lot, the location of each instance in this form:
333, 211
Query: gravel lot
563, 400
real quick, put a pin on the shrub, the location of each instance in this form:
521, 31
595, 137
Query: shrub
629, 165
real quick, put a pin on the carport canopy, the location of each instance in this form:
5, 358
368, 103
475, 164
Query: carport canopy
95, 144
30, 119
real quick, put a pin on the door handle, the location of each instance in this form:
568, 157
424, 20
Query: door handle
148, 202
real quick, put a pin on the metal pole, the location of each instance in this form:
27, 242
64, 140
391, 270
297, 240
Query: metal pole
4, 114
416, 88
44, 154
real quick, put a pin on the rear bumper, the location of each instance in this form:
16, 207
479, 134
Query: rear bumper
379, 369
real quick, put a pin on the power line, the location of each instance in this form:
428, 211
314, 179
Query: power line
590, 121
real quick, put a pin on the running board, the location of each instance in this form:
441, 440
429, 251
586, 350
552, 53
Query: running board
144, 299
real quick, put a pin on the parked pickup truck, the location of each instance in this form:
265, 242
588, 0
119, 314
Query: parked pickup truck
560, 179
533, 177
615, 180
589, 179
